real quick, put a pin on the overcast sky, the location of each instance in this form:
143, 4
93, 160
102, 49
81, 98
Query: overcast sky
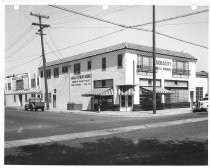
66, 29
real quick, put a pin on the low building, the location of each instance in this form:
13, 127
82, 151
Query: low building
19, 88
202, 85
119, 77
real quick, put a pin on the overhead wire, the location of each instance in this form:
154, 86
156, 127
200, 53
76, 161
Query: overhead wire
21, 47
53, 41
19, 37
136, 26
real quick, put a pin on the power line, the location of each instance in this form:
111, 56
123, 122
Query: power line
136, 26
21, 47
96, 38
19, 38
23, 63
50, 35
172, 18
52, 50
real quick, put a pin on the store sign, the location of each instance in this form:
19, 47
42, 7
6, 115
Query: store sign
20, 77
162, 65
81, 80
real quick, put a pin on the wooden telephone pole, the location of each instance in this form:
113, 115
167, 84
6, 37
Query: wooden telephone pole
154, 64
41, 27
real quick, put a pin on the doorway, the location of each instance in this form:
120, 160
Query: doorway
54, 101
20, 100
126, 103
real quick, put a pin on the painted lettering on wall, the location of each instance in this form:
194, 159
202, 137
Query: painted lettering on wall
163, 65
81, 80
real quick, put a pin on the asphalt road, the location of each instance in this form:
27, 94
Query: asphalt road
20, 124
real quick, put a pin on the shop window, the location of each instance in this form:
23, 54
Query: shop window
9, 86
65, 69
129, 101
119, 60
49, 98
199, 93
48, 73
178, 95
33, 83
41, 74
26, 99
149, 82
32, 95
56, 72
89, 65
77, 68
103, 63
14, 98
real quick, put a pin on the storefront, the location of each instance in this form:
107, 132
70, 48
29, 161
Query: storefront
119, 78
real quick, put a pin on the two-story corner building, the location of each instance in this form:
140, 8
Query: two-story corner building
19, 88
119, 77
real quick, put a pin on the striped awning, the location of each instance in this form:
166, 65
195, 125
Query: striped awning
159, 90
126, 90
99, 92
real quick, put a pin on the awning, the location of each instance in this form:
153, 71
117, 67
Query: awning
159, 90
99, 92
126, 90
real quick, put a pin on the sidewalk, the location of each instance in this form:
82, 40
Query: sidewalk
141, 114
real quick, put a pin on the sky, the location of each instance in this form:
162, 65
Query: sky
67, 30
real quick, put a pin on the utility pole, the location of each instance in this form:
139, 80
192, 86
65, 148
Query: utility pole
41, 27
154, 63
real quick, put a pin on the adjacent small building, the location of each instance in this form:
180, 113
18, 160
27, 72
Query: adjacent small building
20, 87
119, 77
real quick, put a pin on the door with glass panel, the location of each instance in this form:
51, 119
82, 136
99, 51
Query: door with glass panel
126, 103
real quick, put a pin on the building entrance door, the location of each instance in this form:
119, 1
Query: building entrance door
20, 99
126, 103
54, 101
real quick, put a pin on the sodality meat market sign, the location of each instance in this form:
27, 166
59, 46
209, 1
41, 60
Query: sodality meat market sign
81, 80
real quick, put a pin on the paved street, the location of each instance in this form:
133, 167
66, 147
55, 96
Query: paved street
20, 124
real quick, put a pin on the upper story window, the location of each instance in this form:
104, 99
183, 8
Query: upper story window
119, 60
89, 65
103, 83
48, 73
77, 68
37, 81
144, 63
56, 72
19, 84
65, 69
33, 83
9, 86
180, 67
41, 74
103, 63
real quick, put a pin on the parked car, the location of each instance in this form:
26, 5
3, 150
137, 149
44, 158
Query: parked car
201, 105
35, 103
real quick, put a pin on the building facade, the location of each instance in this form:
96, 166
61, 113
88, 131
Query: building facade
202, 85
19, 88
119, 77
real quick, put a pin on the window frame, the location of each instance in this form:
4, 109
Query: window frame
89, 65
56, 72
63, 69
103, 63
120, 60
77, 68
48, 73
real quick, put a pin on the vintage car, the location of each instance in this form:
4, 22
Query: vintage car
35, 103
201, 105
